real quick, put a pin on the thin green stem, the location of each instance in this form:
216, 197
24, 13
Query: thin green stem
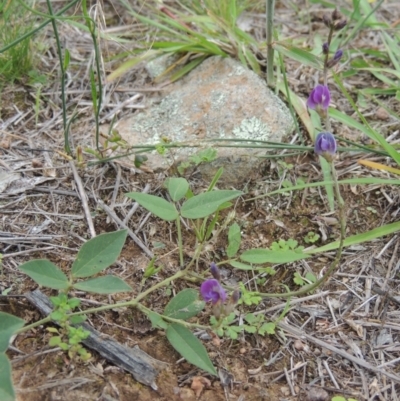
270, 49
99, 96
147, 311
180, 245
63, 74
326, 69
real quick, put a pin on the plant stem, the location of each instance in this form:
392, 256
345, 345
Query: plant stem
270, 50
62, 70
179, 230
326, 69
146, 311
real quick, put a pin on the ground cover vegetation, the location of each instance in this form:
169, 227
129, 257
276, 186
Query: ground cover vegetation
284, 288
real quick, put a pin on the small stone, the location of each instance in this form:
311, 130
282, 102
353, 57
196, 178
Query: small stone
382, 114
317, 394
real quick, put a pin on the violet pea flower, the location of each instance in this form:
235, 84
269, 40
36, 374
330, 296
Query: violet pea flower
325, 146
211, 290
319, 98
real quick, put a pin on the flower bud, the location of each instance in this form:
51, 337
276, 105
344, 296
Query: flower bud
336, 15
327, 20
325, 48
336, 58
325, 146
338, 25
215, 271
338, 55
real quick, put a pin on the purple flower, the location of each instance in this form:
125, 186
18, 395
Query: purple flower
319, 98
325, 145
325, 48
211, 290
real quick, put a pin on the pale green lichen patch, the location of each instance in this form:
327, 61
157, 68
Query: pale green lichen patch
254, 129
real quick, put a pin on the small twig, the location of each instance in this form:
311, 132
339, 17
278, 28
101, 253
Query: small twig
289, 382
121, 224
328, 369
328, 301
116, 186
83, 197
281, 375
146, 189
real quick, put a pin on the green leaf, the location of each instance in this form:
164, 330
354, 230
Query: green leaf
54, 341
267, 256
184, 305
234, 238
156, 205
268, 328
103, 285
298, 279
67, 58
6, 385
77, 319
98, 253
207, 203
9, 324
189, 347
45, 273
378, 232
295, 53
157, 320
177, 188
240, 266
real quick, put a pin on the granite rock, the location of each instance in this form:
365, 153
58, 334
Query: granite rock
220, 99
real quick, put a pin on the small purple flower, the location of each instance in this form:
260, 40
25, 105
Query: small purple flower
215, 271
325, 48
319, 98
325, 145
211, 290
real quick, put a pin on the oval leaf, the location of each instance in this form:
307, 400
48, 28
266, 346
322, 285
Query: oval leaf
156, 205
6, 385
9, 324
207, 203
189, 347
240, 265
45, 273
98, 253
234, 238
276, 257
103, 285
184, 305
177, 188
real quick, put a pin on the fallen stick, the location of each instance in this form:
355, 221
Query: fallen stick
142, 366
